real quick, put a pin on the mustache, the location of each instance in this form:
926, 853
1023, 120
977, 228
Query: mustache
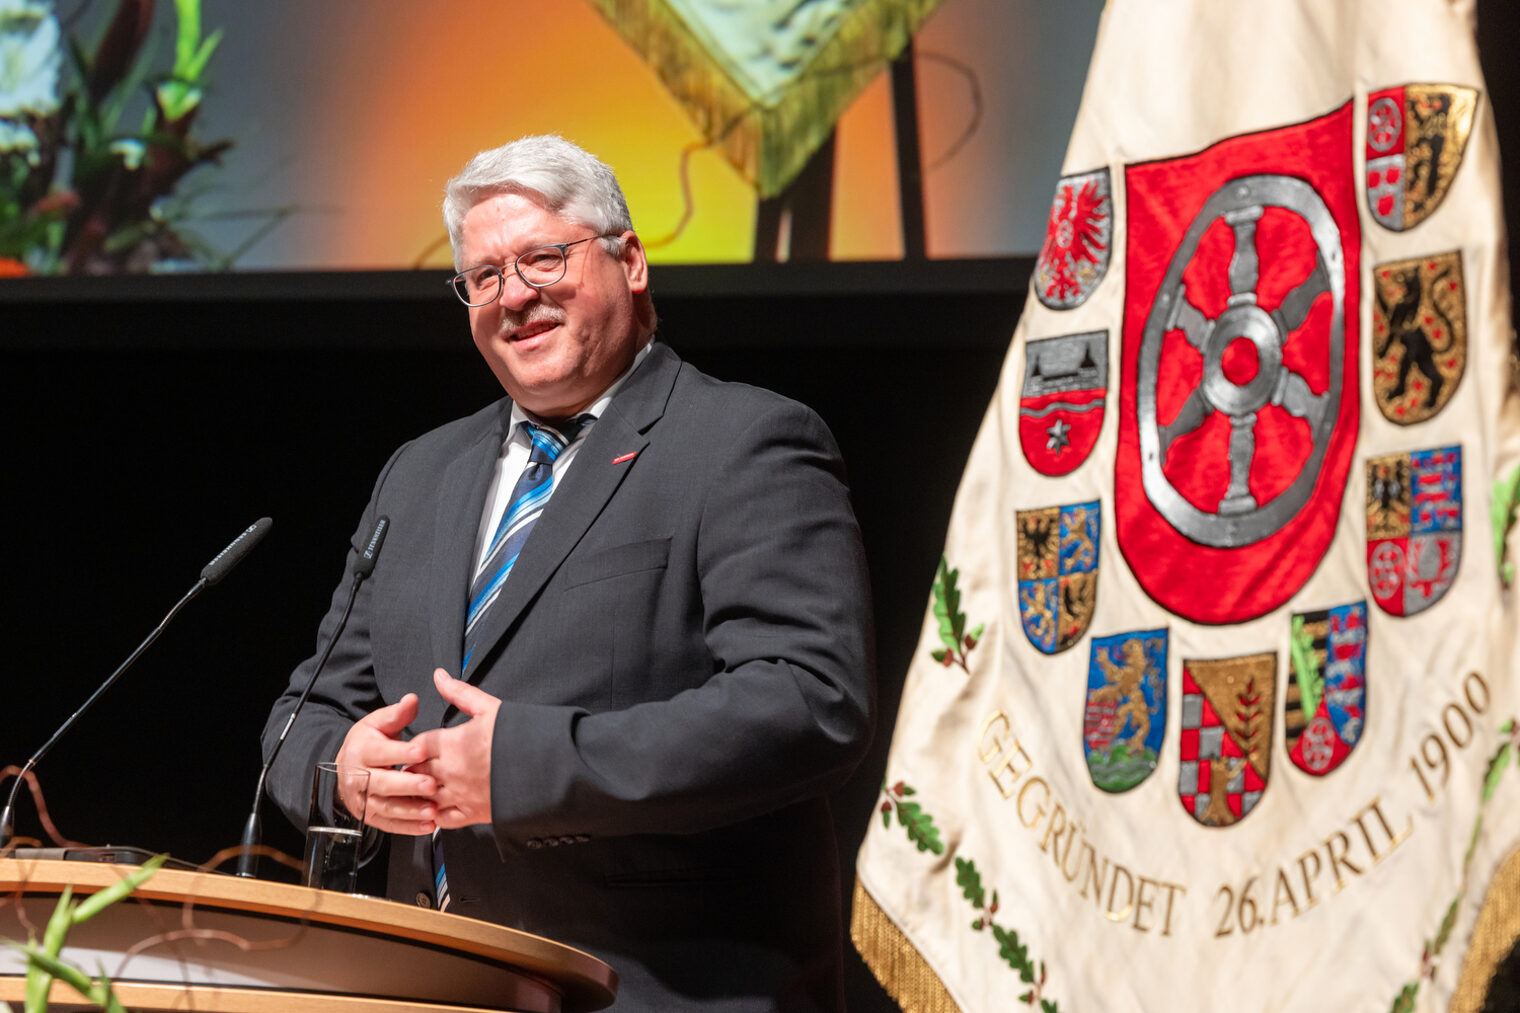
534, 314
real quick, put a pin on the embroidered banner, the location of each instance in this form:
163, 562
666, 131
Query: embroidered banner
1263, 375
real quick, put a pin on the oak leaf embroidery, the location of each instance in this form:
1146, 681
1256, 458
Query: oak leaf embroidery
1505, 756
919, 824
925, 835
952, 621
1502, 505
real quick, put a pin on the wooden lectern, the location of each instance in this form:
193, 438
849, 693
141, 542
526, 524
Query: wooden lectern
213, 942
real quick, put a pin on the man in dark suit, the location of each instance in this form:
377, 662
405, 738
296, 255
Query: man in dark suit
667, 659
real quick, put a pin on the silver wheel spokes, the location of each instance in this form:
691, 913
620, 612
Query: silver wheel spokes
1241, 204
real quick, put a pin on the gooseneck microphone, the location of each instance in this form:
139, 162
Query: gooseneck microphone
253, 830
211, 573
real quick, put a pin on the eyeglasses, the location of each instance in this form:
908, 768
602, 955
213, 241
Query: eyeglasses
538, 268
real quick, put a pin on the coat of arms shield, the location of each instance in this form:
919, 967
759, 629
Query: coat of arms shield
1238, 388
1124, 719
1074, 256
1061, 405
1414, 527
1226, 736
1058, 573
1419, 335
1325, 708
1416, 136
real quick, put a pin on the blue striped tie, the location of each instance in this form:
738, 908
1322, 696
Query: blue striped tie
528, 498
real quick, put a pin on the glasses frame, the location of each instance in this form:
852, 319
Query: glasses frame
457, 282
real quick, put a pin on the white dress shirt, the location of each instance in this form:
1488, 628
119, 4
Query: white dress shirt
514, 458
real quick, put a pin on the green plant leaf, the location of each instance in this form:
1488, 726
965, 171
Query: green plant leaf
43, 961
188, 13
38, 981
1405, 1002
58, 925
1049, 1006
96, 990
51, 966
97, 902
179, 95
970, 882
920, 827
38, 978
1306, 665
197, 65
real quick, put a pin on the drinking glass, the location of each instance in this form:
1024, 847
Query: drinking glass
335, 827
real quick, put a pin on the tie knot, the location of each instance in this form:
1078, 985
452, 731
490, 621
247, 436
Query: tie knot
548, 442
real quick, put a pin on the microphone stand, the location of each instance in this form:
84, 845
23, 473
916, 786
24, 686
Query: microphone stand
212, 573
253, 829
8, 814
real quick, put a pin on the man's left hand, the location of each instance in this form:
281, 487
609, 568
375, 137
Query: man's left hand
458, 757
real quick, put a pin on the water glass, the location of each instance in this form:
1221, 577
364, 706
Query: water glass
335, 827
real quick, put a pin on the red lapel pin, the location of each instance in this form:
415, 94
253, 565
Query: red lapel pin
625, 457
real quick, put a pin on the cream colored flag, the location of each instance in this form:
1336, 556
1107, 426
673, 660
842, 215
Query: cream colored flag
1213, 706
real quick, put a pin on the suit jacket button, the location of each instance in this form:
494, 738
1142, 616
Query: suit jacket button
423, 900
553, 842
582, 838
535, 843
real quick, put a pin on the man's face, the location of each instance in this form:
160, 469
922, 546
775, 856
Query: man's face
554, 349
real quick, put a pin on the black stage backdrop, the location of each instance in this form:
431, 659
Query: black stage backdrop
151, 420
147, 432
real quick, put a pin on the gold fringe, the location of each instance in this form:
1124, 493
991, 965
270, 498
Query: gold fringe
1494, 934
909, 979
767, 138
900, 968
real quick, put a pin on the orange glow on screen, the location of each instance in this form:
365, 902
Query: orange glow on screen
348, 116
406, 107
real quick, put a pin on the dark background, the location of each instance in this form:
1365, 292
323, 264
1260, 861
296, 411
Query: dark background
147, 432
151, 420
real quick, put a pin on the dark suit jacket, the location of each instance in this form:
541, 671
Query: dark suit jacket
684, 654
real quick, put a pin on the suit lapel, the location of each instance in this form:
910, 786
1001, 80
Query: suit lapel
458, 523
610, 451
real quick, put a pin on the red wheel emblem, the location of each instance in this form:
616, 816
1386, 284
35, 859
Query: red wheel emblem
1238, 390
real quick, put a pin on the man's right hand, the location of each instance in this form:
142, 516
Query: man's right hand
398, 802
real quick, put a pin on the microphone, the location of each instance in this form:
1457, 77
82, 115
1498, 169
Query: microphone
365, 564
211, 573
253, 830
223, 562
